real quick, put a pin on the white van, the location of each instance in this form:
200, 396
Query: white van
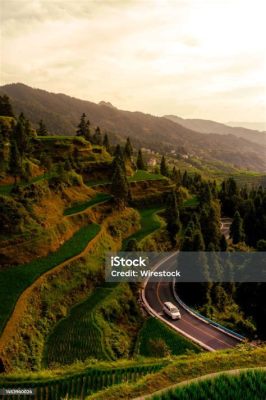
171, 310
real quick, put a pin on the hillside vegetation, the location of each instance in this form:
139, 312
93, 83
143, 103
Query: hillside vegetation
62, 113
246, 385
185, 368
69, 199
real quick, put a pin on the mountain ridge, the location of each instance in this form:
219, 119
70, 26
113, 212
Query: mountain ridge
61, 114
209, 126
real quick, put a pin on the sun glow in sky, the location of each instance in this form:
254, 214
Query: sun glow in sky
191, 58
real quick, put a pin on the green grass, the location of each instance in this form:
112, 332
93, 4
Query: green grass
188, 367
154, 329
77, 337
192, 202
79, 207
61, 138
87, 381
141, 175
14, 280
6, 189
138, 176
149, 221
250, 385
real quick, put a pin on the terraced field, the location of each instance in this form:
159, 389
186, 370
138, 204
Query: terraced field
245, 386
6, 189
77, 337
79, 207
141, 175
149, 223
14, 280
138, 176
154, 330
184, 368
79, 385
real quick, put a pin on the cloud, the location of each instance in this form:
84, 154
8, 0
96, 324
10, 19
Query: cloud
158, 56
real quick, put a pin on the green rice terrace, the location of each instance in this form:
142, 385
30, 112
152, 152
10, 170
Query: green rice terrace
245, 385
78, 336
138, 176
149, 221
16, 279
79, 207
82, 382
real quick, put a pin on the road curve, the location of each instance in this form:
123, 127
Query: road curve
208, 336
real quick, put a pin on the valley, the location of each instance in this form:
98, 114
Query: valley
68, 199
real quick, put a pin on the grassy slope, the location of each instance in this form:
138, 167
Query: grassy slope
14, 280
155, 329
149, 223
187, 367
246, 385
6, 189
141, 175
79, 207
77, 337
138, 176
84, 380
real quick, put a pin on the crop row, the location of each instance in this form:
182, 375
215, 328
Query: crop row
77, 337
81, 385
248, 385
13, 281
79, 207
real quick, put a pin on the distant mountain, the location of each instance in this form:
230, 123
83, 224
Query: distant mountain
258, 126
206, 126
61, 115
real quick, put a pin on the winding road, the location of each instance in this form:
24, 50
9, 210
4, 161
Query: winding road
208, 336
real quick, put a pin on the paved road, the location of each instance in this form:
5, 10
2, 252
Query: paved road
156, 293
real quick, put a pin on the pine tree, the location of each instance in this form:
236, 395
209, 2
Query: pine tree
140, 162
172, 217
185, 179
236, 229
210, 224
22, 136
106, 143
132, 245
223, 243
5, 107
87, 133
187, 243
97, 137
128, 151
176, 176
83, 128
119, 186
163, 167
14, 160
198, 241
118, 159
42, 131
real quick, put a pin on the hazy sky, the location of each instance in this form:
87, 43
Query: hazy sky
192, 58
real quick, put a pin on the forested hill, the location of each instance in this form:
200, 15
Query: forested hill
207, 126
61, 114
